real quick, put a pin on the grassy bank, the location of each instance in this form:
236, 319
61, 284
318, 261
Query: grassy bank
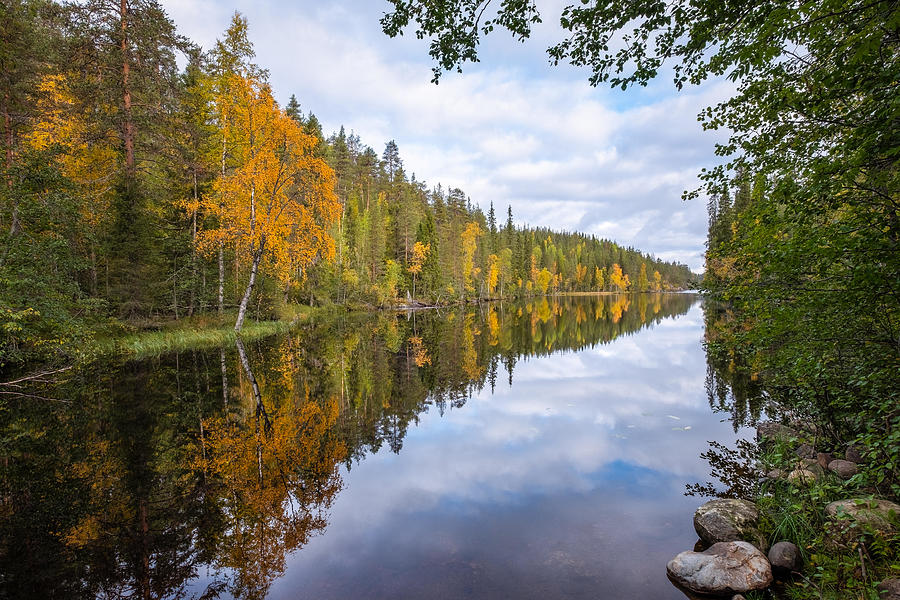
202, 332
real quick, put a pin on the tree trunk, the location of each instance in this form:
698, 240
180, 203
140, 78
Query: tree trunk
242, 310
221, 279
221, 245
193, 250
128, 125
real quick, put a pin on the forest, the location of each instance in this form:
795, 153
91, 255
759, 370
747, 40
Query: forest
137, 192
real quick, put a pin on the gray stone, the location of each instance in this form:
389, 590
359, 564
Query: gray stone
879, 514
726, 568
854, 454
844, 468
805, 451
801, 476
772, 431
775, 474
728, 520
738, 597
784, 557
889, 589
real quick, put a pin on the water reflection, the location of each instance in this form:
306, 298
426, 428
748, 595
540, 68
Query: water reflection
203, 474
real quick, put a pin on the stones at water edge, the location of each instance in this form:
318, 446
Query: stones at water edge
784, 558
775, 432
725, 568
875, 513
805, 451
843, 468
889, 589
728, 520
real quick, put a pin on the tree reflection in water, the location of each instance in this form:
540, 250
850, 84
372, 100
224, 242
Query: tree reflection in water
197, 474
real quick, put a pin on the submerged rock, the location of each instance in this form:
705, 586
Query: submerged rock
728, 520
784, 557
843, 468
880, 515
726, 568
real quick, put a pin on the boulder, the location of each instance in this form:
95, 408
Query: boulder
854, 454
775, 432
843, 468
881, 515
784, 558
805, 451
726, 568
728, 520
889, 589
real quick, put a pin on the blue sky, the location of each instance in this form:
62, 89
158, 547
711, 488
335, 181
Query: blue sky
511, 129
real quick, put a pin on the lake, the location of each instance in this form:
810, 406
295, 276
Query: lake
507, 450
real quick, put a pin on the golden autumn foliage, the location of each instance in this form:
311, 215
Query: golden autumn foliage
469, 244
419, 351
87, 158
279, 200
493, 275
619, 279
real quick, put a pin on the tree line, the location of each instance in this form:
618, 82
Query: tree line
135, 191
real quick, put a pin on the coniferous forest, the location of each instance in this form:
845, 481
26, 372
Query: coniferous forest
137, 192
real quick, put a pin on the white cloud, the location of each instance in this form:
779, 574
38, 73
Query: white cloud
509, 130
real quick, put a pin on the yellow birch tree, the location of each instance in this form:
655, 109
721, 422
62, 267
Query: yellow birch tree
279, 201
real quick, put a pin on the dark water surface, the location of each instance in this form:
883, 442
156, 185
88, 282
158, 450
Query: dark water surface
533, 450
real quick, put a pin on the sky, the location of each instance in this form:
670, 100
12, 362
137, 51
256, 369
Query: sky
511, 129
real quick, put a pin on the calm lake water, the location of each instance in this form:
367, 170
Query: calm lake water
523, 450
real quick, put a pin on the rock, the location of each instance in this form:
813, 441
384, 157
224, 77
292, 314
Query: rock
784, 557
803, 476
726, 568
811, 464
823, 458
881, 515
804, 425
728, 520
805, 451
854, 454
777, 432
775, 474
738, 597
844, 468
889, 589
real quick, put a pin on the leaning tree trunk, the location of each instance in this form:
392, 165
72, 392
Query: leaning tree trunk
242, 311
